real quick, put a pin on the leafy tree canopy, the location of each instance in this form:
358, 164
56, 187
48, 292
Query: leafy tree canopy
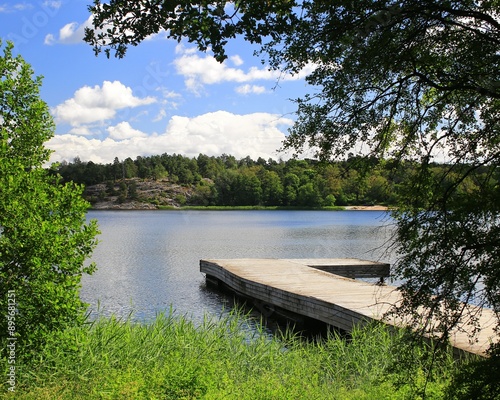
119, 24
44, 237
415, 80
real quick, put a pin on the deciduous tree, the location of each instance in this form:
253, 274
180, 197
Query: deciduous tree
44, 236
414, 80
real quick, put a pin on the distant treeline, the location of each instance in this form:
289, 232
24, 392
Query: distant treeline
226, 181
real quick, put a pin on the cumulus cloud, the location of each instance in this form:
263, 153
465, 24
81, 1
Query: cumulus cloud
81, 131
124, 131
236, 60
203, 70
256, 135
70, 33
98, 103
74, 32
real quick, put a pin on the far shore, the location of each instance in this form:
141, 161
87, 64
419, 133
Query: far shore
367, 208
137, 205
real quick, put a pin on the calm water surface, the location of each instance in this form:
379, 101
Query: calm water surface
148, 261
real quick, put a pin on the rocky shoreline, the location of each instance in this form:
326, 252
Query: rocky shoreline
140, 194
137, 205
367, 208
137, 194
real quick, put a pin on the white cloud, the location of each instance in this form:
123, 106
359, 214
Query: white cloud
52, 4
161, 114
70, 33
67, 32
199, 71
81, 131
69, 146
168, 94
169, 99
257, 135
250, 89
236, 60
93, 104
75, 113
124, 131
10, 8
49, 39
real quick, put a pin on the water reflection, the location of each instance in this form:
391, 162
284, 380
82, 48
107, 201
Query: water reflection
148, 261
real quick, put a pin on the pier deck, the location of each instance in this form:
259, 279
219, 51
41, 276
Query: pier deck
303, 287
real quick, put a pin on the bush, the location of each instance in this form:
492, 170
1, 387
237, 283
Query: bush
44, 237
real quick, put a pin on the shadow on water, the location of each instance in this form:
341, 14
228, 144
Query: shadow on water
273, 320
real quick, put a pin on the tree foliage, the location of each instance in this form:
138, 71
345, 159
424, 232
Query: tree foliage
119, 24
44, 238
415, 81
226, 181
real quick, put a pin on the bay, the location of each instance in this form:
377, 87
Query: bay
148, 261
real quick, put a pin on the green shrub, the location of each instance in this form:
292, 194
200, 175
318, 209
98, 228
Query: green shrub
44, 237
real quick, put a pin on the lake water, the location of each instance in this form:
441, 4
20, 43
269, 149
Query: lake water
148, 261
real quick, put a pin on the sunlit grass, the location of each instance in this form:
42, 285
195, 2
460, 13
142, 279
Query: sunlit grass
173, 358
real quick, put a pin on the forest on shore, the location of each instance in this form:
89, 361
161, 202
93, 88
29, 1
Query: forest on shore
177, 180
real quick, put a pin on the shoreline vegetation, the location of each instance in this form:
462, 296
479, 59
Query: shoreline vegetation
178, 181
164, 195
174, 358
145, 206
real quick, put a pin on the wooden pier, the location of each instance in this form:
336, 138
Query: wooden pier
323, 290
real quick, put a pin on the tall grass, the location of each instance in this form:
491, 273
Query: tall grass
172, 358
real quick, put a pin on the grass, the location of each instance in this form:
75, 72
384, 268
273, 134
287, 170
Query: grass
172, 358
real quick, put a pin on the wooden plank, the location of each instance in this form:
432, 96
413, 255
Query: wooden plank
348, 267
291, 284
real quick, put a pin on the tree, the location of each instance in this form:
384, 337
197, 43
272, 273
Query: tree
119, 24
291, 184
129, 167
224, 187
208, 166
308, 196
414, 81
118, 169
272, 188
247, 188
44, 237
377, 188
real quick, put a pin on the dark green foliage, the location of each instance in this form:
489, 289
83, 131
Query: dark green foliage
412, 81
408, 81
226, 181
132, 190
44, 237
272, 188
478, 379
208, 24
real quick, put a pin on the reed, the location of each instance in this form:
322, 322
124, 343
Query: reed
219, 358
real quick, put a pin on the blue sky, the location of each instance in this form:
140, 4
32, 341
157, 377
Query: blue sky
163, 97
